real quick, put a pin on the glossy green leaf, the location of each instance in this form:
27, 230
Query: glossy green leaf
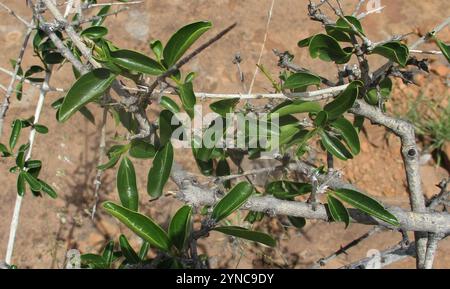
366, 204
182, 40
34, 183
143, 226
20, 159
128, 251
157, 47
298, 106
136, 61
328, 49
180, 227
321, 118
126, 185
287, 190
94, 261
394, 51
348, 133
305, 42
334, 146
160, 171
337, 210
385, 88
337, 34
186, 91
143, 251
46, 188
169, 104
301, 80
247, 234
111, 163
232, 201
223, 169
343, 26
94, 32
108, 253
41, 128
297, 222
344, 101
21, 184
53, 58
15, 133
141, 149
87, 88
444, 48
224, 106
101, 15
4, 150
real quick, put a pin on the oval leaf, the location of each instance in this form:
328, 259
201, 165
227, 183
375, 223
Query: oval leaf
160, 171
349, 133
182, 40
86, 89
21, 184
328, 49
126, 185
344, 101
136, 61
232, 201
367, 205
180, 226
15, 133
301, 80
394, 51
337, 210
247, 234
224, 106
334, 146
143, 226
298, 106
94, 32
142, 150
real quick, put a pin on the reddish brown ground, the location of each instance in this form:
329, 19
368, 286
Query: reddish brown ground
48, 228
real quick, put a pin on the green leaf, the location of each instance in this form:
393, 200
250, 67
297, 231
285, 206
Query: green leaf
232, 201
101, 15
94, 261
15, 133
394, 51
321, 118
385, 88
366, 204
160, 171
305, 42
142, 150
143, 226
35, 185
144, 250
40, 128
342, 25
297, 222
136, 61
165, 126
86, 89
53, 58
224, 106
344, 101
127, 250
444, 48
4, 150
182, 40
186, 91
157, 48
348, 133
20, 159
168, 103
334, 146
111, 163
126, 185
247, 234
180, 226
301, 80
337, 34
21, 184
328, 49
337, 210
94, 32
108, 253
287, 190
223, 169
46, 188
298, 106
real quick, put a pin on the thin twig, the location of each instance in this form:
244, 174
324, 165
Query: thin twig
19, 199
18, 17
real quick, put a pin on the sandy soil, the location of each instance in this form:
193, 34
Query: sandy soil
49, 228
